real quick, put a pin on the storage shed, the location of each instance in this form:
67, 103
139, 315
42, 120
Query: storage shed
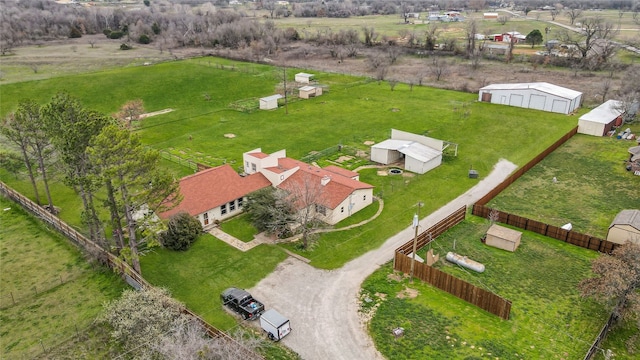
539, 96
601, 120
309, 91
503, 238
270, 102
304, 78
420, 153
625, 227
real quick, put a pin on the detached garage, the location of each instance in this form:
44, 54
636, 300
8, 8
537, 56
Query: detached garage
625, 227
601, 120
539, 96
420, 153
270, 102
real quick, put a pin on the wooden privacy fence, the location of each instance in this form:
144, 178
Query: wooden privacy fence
472, 294
131, 276
516, 175
568, 236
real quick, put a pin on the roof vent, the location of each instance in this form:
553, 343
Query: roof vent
325, 180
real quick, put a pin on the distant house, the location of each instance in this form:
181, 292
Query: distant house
339, 193
509, 37
304, 78
420, 153
270, 102
490, 15
215, 194
601, 120
539, 96
503, 238
625, 227
413, 15
309, 91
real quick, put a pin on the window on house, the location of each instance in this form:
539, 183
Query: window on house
253, 167
223, 209
205, 218
232, 206
246, 164
342, 209
240, 200
364, 197
321, 209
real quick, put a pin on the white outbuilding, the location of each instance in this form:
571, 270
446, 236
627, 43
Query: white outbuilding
270, 102
420, 153
309, 91
304, 78
601, 120
538, 95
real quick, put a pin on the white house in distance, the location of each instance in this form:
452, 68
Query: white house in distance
304, 78
601, 120
270, 102
338, 193
538, 95
215, 194
420, 153
625, 227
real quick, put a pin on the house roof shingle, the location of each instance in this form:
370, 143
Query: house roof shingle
213, 187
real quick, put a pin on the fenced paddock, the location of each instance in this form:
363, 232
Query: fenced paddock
472, 294
132, 277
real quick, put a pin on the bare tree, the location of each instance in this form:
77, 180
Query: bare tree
439, 68
431, 37
370, 35
306, 193
393, 52
131, 111
381, 72
392, 83
503, 19
605, 87
553, 14
573, 14
593, 40
470, 32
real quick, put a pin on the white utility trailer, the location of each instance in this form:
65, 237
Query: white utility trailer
275, 325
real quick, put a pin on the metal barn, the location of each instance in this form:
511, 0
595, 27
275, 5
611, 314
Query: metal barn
539, 96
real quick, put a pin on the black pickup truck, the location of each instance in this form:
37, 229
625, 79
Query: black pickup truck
242, 302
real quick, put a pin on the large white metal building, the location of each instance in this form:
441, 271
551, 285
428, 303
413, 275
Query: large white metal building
538, 95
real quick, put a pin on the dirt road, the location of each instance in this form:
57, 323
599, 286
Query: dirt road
322, 305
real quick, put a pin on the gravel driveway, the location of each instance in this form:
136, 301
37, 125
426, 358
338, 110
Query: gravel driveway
322, 304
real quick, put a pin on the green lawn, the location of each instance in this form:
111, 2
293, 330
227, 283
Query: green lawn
240, 227
48, 291
548, 318
592, 187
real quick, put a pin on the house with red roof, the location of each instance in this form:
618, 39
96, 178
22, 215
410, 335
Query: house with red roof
215, 194
332, 194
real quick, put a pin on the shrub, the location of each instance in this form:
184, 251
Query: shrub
115, 34
75, 33
144, 39
183, 230
125, 47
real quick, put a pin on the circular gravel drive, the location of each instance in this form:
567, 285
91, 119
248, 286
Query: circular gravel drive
322, 304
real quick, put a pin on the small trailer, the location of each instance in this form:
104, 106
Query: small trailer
275, 325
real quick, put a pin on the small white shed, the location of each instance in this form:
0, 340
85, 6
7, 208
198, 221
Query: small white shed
503, 238
539, 96
625, 227
420, 153
309, 91
270, 102
600, 120
304, 78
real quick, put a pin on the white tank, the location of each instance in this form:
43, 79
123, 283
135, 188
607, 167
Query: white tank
465, 262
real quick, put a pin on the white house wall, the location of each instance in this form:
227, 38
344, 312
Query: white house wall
216, 214
355, 202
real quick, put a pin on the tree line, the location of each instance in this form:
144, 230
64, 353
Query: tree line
100, 159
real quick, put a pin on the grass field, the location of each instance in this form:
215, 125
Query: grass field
548, 318
49, 293
593, 186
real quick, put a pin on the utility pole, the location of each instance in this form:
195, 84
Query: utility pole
284, 78
416, 225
